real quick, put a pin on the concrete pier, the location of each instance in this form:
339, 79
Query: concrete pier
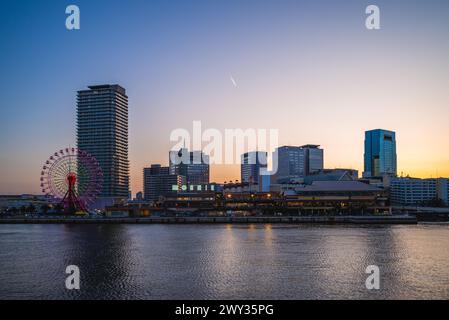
402, 219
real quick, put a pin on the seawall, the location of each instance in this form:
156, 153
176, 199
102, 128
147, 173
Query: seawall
402, 219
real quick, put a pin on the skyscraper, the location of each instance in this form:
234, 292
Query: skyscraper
314, 158
252, 164
102, 131
194, 166
380, 153
290, 162
298, 162
157, 181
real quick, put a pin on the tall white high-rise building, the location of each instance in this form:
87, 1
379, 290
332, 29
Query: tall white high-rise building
102, 131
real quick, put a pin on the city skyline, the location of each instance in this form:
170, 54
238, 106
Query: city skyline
224, 157
318, 76
237, 175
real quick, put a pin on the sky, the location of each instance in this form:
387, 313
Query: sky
310, 69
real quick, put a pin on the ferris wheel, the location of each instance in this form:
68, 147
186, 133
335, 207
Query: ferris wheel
72, 178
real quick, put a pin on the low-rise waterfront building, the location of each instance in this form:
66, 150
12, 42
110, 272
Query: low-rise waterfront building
332, 175
25, 203
240, 187
341, 197
408, 191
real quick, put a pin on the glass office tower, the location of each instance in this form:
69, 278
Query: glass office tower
291, 162
380, 153
314, 158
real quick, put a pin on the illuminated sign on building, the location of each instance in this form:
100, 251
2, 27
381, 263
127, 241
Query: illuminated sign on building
193, 187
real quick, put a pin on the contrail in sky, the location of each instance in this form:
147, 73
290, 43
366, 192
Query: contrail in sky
233, 82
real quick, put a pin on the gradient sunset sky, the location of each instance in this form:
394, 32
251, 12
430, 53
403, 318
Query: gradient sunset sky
308, 68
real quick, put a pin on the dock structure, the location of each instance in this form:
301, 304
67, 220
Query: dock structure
362, 200
403, 219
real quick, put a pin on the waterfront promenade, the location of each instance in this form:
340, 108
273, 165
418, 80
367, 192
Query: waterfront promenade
399, 219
